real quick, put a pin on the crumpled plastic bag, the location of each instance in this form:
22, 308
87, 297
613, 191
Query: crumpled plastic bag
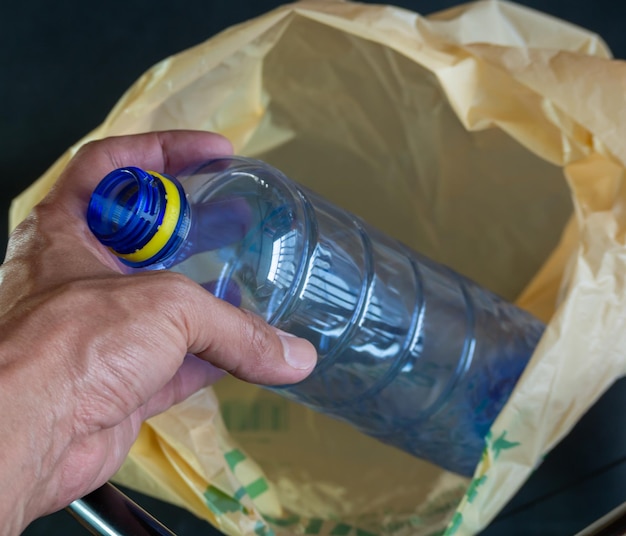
489, 137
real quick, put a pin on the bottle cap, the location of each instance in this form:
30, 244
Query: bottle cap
142, 216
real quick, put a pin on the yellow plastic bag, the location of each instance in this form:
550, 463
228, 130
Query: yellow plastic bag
489, 137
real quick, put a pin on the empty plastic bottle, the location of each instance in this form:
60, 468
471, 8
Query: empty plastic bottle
409, 351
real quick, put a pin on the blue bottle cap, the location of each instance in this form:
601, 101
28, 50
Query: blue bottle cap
141, 216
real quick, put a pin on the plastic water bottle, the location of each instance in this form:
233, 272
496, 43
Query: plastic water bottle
409, 351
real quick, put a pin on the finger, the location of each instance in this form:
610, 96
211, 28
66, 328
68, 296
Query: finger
235, 340
65, 206
242, 344
167, 152
193, 375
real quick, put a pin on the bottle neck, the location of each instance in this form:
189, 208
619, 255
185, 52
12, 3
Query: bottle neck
142, 216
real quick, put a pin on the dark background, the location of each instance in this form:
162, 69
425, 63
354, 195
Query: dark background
64, 64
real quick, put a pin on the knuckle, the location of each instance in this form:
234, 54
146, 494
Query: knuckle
105, 146
162, 287
257, 336
88, 148
172, 298
175, 282
172, 287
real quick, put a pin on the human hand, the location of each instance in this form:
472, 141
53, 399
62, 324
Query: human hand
88, 353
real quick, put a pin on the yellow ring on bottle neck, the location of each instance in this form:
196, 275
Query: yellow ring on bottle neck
167, 228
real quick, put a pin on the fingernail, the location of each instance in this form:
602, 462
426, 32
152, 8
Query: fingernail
299, 353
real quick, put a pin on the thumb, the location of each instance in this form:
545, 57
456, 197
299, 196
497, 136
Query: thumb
242, 343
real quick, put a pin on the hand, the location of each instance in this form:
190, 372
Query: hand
87, 353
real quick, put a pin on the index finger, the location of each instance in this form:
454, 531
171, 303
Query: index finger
167, 152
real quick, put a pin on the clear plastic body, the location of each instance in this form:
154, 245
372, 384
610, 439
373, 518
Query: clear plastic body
409, 351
